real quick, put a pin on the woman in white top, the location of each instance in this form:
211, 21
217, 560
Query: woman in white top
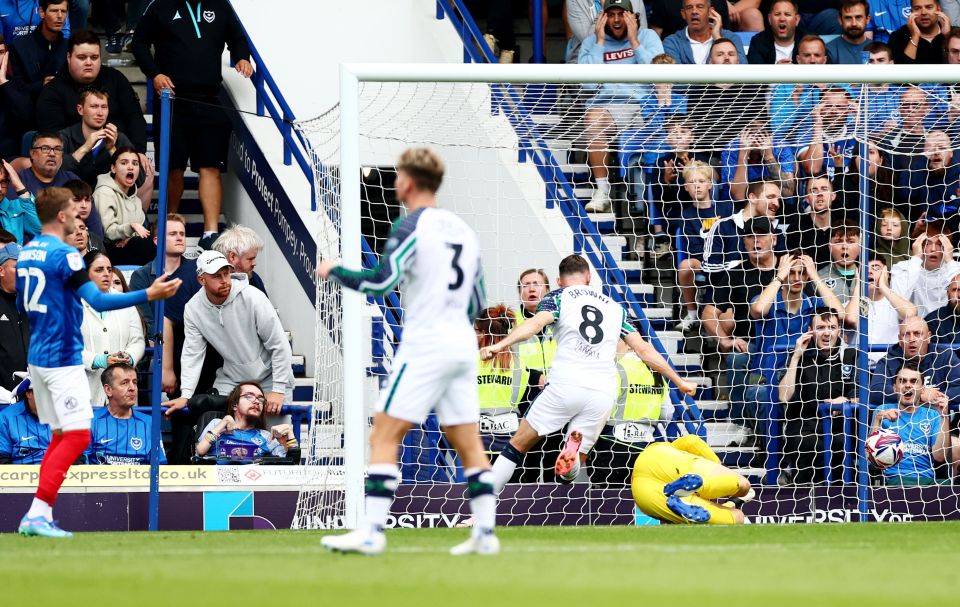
108, 337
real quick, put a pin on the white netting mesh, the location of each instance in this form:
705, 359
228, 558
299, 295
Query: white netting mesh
652, 183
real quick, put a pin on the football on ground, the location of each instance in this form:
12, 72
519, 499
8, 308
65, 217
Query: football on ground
766, 565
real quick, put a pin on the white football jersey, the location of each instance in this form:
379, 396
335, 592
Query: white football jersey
587, 328
438, 257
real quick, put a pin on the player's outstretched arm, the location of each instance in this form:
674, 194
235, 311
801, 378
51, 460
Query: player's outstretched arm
522, 333
104, 302
655, 361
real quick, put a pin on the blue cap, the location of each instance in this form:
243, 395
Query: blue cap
9, 251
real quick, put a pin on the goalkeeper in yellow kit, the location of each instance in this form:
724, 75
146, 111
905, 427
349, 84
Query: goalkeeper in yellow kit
677, 482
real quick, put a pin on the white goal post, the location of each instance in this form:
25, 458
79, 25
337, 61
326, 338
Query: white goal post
353, 76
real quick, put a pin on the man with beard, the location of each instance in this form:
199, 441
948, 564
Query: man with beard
46, 164
831, 144
937, 363
692, 44
821, 369
778, 43
618, 39
222, 315
921, 39
810, 230
848, 47
944, 322
923, 278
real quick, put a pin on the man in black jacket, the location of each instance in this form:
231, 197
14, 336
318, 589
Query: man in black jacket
779, 42
821, 370
38, 56
187, 50
921, 39
57, 104
14, 330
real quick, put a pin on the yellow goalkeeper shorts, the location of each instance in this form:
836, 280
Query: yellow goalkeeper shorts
661, 463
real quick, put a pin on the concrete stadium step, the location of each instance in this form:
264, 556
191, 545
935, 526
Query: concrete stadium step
721, 434
672, 341
616, 245
303, 389
299, 365
605, 222
688, 363
713, 405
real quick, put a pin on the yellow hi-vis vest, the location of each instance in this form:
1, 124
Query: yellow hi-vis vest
500, 389
537, 352
642, 391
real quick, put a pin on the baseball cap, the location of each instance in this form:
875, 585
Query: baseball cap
9, 251
758, 225
24, 384
624, 4
210, 262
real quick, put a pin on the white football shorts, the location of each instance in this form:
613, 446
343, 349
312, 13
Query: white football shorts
63, 396
584, 409
419, 384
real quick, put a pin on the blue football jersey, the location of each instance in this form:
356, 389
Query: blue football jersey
49, 272
918, 431
121, 441
244, 445
23, 439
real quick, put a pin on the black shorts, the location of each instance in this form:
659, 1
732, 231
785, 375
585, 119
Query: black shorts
199, 133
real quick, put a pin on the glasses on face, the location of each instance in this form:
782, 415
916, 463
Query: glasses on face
250, 396
46, 149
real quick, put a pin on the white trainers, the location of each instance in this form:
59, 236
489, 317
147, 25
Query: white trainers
486, 544
599, 202
359, 541
688, 321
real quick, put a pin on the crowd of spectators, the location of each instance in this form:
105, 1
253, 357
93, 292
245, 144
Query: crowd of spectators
68, 119
757, 189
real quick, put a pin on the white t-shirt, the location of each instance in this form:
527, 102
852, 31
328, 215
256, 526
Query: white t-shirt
587, 326
701, 50
784, 52
884, 326
926, 289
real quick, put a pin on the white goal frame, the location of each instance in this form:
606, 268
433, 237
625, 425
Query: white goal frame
352, 74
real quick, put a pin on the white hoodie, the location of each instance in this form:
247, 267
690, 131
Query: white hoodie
246, 331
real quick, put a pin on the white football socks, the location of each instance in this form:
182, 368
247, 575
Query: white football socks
382, 482
501, 472
40, 508
483, 500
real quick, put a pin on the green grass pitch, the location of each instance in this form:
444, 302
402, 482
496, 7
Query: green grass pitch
809, 565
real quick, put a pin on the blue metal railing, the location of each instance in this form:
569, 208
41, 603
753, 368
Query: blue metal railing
559, 191
271, 102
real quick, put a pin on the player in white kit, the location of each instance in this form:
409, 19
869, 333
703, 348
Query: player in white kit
582, 381
435, 367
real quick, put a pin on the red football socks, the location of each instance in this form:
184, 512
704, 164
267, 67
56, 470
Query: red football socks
63, 451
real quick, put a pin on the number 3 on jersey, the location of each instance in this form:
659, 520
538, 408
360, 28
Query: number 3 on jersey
33, 290
455, 263
590, 328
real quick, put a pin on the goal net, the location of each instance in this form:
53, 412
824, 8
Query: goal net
788, 246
